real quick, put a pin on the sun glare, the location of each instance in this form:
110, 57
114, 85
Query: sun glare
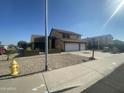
114, 13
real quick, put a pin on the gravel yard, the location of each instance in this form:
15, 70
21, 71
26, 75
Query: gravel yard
88, 53
35, 64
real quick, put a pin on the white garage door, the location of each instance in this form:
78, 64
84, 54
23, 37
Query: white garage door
71, 47
83, 47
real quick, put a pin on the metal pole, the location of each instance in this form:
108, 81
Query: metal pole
98, 45
93, 54
46, 37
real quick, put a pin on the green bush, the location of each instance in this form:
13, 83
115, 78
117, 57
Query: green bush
106, 49
54, 50
29, 49
8, 52
115, 50
116, 46
30, 53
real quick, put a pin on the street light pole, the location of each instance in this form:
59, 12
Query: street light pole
46, 37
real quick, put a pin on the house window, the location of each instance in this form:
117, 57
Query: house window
66, 36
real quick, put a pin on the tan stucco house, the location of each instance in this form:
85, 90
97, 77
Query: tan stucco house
60, 39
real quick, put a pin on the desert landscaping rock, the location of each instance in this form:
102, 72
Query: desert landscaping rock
34, 64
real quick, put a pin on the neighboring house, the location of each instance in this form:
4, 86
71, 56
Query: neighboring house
37, 42
59, 39
99, 42
66, 40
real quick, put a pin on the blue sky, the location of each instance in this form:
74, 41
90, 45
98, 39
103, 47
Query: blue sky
19, 19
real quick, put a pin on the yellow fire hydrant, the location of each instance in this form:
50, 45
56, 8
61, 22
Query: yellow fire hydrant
14, 68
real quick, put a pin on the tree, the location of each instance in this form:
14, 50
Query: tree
119, 44
116, 46
12, 47
22, 44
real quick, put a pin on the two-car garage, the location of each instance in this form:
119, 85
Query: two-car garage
75, 46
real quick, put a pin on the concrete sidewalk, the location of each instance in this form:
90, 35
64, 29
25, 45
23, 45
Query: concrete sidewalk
75, 79
26, 84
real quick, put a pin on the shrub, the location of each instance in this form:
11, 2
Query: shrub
54, 50
106, 49
8, 52
22, 44
115, 50
30, 53
28, 49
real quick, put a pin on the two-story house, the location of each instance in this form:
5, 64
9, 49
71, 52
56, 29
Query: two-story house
99, 42
38, 42
66, 40
59, 39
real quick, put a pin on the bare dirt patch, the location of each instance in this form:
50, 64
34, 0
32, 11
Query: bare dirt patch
55, 61
34, 64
